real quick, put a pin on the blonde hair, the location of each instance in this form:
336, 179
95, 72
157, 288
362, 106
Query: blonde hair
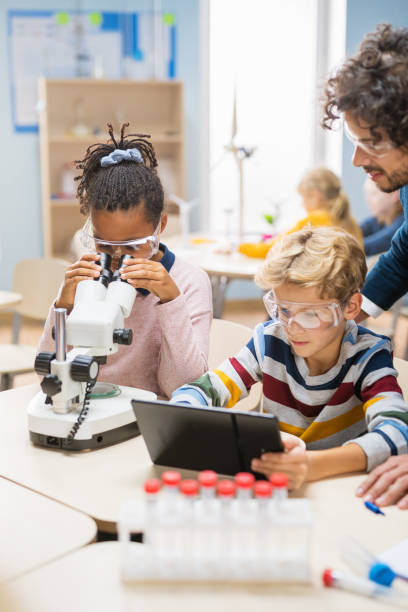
325, 257
334, 199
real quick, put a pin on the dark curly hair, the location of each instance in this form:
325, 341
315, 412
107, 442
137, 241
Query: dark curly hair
373, 85
124, 185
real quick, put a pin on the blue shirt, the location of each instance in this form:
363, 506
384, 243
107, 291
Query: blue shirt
388, 280
378, 236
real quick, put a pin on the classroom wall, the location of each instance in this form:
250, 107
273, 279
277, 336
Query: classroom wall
362, 17
21, 227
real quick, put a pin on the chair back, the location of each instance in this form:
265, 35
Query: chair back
38, 281
226, 339
402, 367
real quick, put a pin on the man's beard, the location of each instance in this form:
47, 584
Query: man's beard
396, 179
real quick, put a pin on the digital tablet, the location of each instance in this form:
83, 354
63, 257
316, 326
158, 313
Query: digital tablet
202, 438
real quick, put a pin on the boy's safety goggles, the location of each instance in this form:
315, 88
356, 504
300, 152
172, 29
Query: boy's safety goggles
306, 315
379, 149
144, 247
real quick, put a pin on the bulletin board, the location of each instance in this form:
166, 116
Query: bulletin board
69, 44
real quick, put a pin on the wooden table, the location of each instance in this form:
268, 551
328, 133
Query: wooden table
9, 298
89, 579
35, 530
95, 483
220, 268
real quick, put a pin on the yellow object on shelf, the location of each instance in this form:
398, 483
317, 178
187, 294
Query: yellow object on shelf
201, 241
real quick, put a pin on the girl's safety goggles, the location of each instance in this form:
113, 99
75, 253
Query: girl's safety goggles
144, 247
306, 315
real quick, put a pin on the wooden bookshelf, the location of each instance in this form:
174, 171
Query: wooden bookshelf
73, 115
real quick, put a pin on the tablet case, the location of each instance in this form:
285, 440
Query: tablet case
202, 438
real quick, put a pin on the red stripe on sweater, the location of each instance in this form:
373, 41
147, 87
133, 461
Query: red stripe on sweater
278, 391
387, 383
242, 373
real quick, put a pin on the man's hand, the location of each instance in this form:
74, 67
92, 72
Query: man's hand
86, 268
293, 462
388, 483
150, 275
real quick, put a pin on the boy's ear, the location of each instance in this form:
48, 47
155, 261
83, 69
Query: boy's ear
353, 306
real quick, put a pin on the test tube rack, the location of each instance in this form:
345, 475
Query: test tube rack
252, 540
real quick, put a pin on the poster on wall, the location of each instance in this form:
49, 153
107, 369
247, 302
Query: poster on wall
65, 45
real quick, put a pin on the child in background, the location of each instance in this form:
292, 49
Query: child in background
121, 194
326, 205
387, 216
330, 382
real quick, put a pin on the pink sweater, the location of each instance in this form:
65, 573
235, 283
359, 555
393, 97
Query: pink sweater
170, 341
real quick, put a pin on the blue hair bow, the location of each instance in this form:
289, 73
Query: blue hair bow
119, 155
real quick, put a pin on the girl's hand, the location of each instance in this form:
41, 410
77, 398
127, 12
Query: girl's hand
293, 462
150, 275
84, 269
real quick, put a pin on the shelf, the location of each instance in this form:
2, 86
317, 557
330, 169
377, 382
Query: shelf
59, 202
61, 139
150, 107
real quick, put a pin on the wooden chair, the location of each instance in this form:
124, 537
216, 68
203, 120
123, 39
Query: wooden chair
38, 281
402, 367
226, 339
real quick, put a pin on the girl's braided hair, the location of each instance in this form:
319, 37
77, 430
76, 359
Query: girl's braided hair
124, 185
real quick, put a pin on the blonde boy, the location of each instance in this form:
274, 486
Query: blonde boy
330, 382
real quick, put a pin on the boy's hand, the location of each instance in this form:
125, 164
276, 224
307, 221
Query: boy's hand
86, 268
293, 462
150, 275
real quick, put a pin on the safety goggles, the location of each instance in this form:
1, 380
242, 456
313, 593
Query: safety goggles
143, 248
306, 315
374, 150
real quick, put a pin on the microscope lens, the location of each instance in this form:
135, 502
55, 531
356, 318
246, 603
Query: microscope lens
106, 273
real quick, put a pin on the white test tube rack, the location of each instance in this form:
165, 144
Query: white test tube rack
254, 540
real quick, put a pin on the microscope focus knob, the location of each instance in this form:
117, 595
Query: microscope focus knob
51, 385
123, 336
84, 368
42, 363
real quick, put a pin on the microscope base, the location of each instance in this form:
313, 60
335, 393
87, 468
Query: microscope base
109, 421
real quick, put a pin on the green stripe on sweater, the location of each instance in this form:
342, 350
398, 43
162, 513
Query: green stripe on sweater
395, 414
204, 384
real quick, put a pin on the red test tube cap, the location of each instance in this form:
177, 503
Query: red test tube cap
226, 488
262, 488
244, 480
208, 478
327, 577
189, 487
279, 481
152, 485
171, 478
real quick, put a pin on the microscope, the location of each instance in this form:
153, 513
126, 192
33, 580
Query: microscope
72, 411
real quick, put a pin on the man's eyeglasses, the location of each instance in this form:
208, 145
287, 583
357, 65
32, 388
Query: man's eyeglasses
144, 247
307, 315
374, 150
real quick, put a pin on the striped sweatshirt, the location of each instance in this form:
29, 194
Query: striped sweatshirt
358, 400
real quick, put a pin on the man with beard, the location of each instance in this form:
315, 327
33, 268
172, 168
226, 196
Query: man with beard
369, 93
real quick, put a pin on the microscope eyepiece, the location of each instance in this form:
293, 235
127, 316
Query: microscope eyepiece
106, 272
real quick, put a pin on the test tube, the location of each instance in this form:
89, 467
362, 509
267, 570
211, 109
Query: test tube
152, 490
189, 489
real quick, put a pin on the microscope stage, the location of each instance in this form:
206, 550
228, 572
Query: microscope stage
109, 420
